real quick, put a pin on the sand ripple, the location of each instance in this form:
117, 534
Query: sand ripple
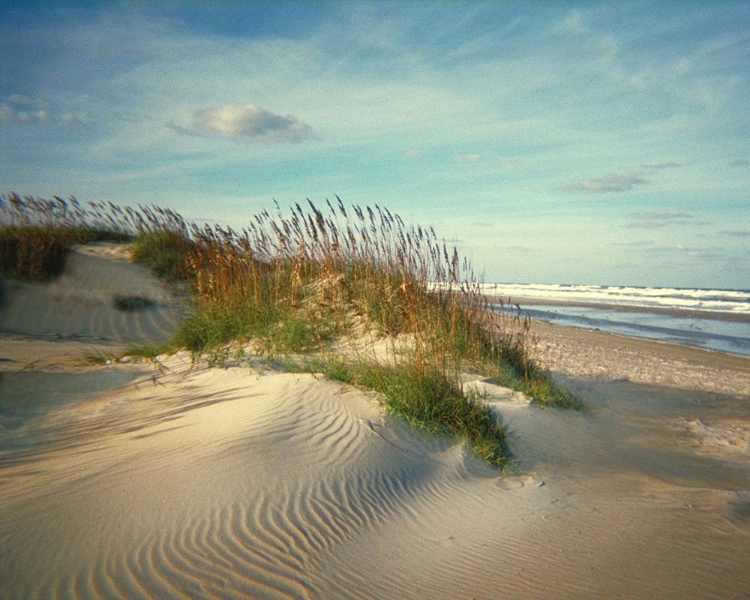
245, 503
232, 484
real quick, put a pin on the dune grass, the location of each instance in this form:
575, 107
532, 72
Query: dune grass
300, 282
428, 400
164, 251
35, 234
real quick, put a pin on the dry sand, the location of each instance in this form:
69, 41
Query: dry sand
193, 482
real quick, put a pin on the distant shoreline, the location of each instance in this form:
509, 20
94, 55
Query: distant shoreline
690, 313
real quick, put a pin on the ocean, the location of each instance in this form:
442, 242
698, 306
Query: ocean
710, 319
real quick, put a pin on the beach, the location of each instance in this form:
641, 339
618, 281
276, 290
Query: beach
189, 478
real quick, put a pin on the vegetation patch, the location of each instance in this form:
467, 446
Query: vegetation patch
430, 401
164, 251
98, 357
35, 234
132, 303
303, 281
146, 351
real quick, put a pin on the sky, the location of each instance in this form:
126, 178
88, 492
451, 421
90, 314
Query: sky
551, 142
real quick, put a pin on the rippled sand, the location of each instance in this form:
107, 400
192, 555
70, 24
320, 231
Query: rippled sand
231, 483
190, 482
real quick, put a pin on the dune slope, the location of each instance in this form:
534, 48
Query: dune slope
231, 483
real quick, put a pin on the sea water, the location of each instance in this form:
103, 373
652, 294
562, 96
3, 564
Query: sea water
711, 319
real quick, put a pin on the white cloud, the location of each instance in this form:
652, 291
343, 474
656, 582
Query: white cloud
23, 108
250, 121
661, 215
607, 183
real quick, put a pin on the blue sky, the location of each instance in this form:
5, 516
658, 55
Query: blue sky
552, 142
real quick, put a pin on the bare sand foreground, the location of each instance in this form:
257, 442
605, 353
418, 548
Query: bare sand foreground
183, 481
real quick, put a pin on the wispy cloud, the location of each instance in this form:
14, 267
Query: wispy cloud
735, 232
248, 121
706, 254
638, 244
664, 165
652, 219
504, 160
607, 183
25, 109
469, 157
489, 224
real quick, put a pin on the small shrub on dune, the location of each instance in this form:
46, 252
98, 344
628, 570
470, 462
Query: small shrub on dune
132, 303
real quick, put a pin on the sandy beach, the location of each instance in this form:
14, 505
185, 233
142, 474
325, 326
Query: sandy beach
176, 479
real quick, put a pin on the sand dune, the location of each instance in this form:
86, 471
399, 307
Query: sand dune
185, 481
81, 303
230, 483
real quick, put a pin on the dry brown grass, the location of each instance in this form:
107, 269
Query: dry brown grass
298, 281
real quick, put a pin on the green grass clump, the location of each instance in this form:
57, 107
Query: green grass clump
430, 401
147, 351
164, 251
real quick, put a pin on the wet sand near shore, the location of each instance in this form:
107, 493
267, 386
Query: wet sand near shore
185, 481
583, 353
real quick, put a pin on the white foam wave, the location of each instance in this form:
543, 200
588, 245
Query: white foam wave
734, 301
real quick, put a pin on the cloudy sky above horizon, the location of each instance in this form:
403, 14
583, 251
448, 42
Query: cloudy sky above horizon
552, 142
